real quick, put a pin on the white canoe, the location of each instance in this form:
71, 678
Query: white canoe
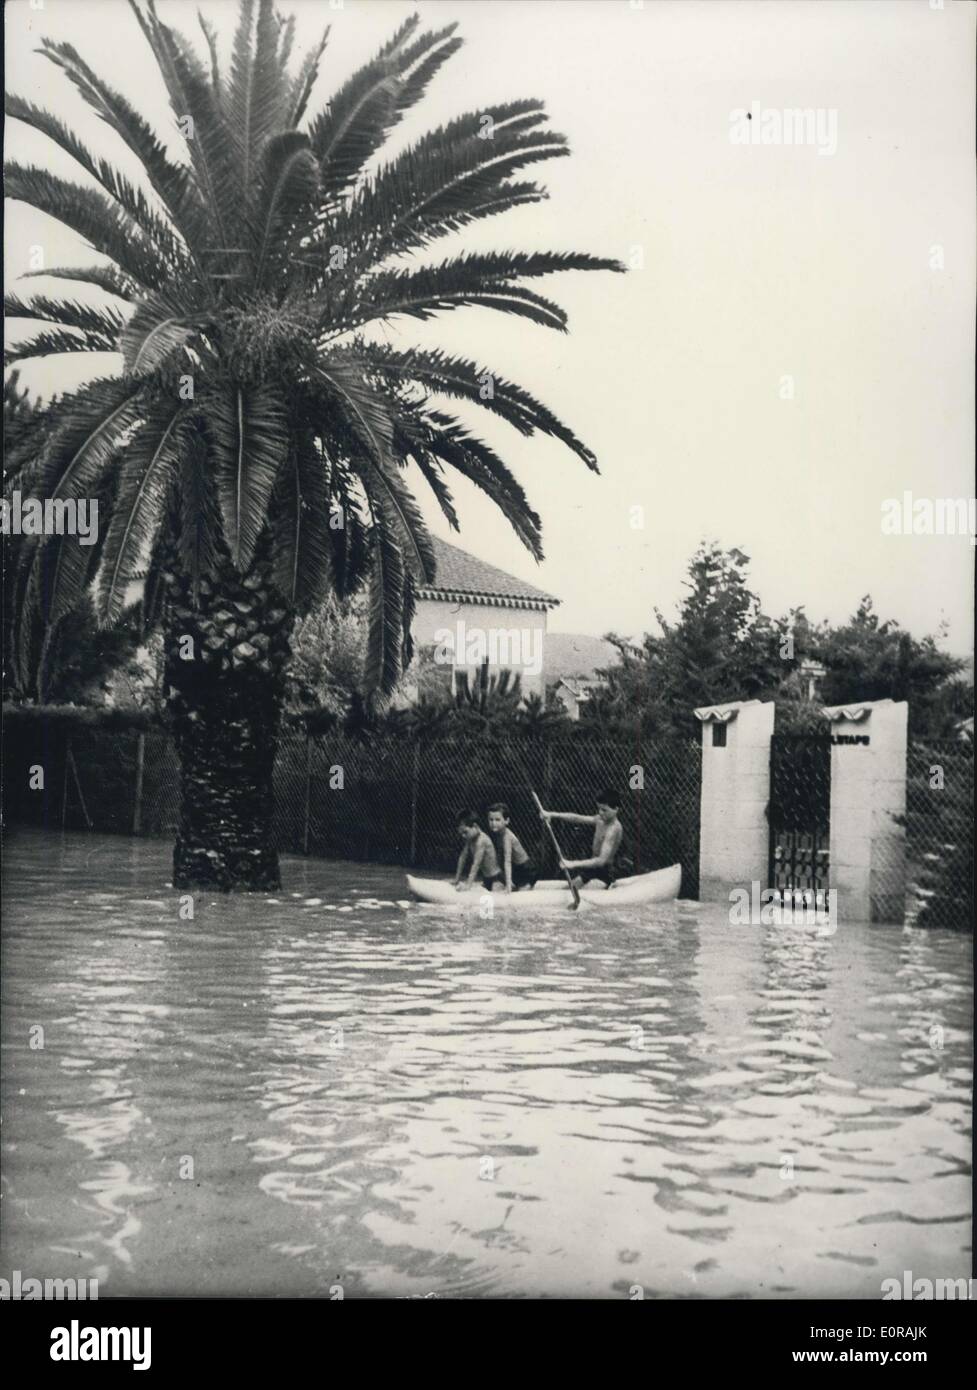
659, 886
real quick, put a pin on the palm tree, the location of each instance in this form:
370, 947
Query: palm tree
249, 456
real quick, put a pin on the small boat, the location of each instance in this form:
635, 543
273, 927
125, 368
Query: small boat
659, 886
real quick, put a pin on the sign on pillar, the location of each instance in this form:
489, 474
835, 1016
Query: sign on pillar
868, 807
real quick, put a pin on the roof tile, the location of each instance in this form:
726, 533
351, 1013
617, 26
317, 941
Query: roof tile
461, 573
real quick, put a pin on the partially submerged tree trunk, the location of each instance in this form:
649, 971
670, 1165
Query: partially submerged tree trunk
225, 662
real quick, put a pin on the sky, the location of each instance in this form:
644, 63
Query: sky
793, 342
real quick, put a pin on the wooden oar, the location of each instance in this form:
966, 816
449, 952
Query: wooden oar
574, 890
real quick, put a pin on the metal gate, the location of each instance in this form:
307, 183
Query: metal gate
799, 814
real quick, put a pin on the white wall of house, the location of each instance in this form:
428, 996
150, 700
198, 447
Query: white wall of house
569, 701
513, 638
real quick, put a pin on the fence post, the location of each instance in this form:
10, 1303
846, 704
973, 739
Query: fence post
545, 847
308, 792
868, 807
415, 786
140, 764
81, 794
64, 788
734, 832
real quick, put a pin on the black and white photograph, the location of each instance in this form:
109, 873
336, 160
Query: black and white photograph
488, 710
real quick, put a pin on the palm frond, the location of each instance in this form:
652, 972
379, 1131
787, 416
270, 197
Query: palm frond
385, 616
446, 439
105, 277
351, 542
289, 184
421, 294
171, 182
390, 495
249, 437
367, 107
302, 549
430, 469
130, 199
198, 522
60, 572
210, 38
212, 148
154, 333
459, 377
368, 423
435, 185
240, 88
51, 344
302, 84
408, 612
94, 421
107, 322
422, 60
145, 479
93, 216
355, 121
286, 39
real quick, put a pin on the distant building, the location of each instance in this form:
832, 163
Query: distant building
573, 694
476, 616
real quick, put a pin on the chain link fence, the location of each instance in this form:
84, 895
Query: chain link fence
392, 800
386, 800
939, 825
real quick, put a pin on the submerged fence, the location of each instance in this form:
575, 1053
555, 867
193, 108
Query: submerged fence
940, 834
389, 800
396, 800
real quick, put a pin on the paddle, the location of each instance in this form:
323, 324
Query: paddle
575, 892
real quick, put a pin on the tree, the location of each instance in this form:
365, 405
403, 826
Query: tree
250, 455
722, 647
75, 664
328, 653
18, 412
868, 659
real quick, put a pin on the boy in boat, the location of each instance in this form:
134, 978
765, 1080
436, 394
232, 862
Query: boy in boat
517, 867
608, 833
479, 848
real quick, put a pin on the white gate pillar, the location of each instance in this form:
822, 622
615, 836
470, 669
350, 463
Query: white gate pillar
734, 833
868, 792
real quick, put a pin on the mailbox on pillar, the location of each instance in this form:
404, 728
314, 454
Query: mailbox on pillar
868, 806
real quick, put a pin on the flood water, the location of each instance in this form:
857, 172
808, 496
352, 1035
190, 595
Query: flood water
319, 1088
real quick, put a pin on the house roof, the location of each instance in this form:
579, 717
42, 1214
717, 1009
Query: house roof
467, 579
579, 689
576, 655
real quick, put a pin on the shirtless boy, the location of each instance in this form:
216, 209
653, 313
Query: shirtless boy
479, 848
608, 833
515, 863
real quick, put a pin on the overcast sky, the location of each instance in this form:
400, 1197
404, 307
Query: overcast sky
758, 263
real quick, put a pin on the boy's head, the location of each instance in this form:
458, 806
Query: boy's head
498, 816
608, 804
468, 826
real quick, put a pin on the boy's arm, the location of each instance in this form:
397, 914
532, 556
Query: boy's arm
608, 848
477, 856
461, 864
507, 861
570, 816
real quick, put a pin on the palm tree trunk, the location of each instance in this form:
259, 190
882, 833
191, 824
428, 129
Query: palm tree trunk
226, 655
